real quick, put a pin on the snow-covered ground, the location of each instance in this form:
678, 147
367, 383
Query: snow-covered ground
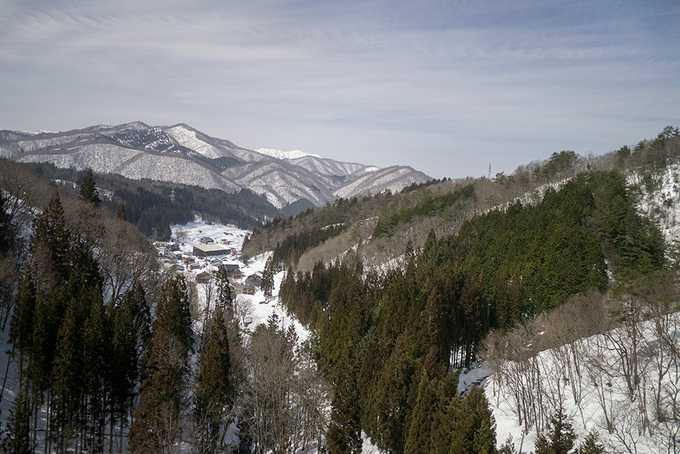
255, 309
662, 204
588, 378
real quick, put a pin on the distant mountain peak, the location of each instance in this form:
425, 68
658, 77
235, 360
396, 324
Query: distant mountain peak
183, 154
284, 154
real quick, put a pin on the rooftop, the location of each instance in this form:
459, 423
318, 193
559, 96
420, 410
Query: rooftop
211, 247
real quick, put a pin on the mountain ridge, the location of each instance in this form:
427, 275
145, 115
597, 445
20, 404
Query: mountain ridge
180, 153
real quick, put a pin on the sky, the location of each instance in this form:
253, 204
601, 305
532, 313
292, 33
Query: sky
448, 87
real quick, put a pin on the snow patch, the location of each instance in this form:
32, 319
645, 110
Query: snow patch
284, 154
187, 138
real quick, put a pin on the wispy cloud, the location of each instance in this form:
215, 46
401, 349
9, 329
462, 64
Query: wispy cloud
446, 86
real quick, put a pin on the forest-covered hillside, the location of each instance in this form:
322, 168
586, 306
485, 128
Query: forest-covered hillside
153, 206
390, 342
106, 352
379, 226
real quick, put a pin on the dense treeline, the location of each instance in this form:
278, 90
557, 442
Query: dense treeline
78, 358
431, 205
388, 343
646, 159
107, 351
413, 186
342, 211
291, 249
154, 206
383, 344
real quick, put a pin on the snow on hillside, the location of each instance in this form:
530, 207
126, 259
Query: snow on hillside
329, 167
392, 179
187, 138
589, 378
284, 154
661, 202
281, 183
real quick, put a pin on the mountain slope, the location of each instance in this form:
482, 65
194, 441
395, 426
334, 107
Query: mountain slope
281, 183
331, 167
182, 154
379, 227
392, 179
283, 154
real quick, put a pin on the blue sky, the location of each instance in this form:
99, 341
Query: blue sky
445, 86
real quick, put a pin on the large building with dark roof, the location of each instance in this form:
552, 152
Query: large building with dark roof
210, 250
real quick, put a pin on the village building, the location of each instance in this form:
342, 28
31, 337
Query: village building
209, 250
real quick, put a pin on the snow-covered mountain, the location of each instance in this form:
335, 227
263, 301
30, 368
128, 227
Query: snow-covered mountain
374, 181
283, 154
183, 154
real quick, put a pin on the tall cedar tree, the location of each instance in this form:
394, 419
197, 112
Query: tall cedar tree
51, 244
214, 393
21, 327
224, 297
7, 233
96, 359
17, 434
474, 431
129, 344
348, 322
422, 417
156, 424
344, 432
559, 436
67, 375
268, 277
88, 188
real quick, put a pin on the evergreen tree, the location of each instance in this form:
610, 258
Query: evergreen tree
7, 233
443, 422
268, 277
96, 358
224, 298
344, 432
88, 189
156, 425
422, 418
17, 435
51, 243
559, 436
474, 431
43, 340
129, 347
214, 393
591, 444
508, 447
67, 375
21, 328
